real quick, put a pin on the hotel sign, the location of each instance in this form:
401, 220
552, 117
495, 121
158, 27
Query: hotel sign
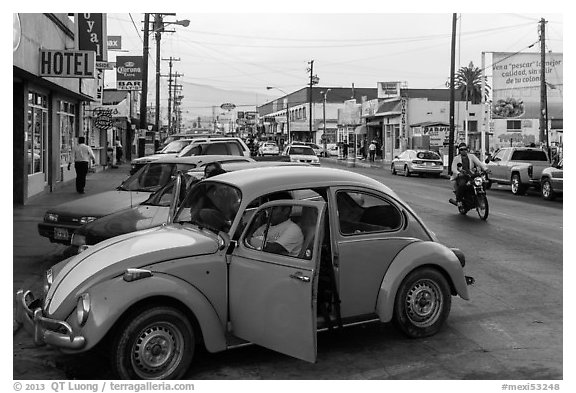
67, 63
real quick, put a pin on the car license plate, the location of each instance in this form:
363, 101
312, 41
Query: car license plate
61, 233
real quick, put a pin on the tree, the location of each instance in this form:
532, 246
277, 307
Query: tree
468, 83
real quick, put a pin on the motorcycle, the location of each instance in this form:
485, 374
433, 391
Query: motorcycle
475, 195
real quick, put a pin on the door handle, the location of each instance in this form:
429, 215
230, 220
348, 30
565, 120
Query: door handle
299, 276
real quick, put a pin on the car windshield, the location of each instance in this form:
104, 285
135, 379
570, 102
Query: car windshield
163, 197
427, 155
175, 146
210, 205
301, 150
153, 176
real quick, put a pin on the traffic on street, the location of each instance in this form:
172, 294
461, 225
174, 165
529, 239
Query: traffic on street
510, 328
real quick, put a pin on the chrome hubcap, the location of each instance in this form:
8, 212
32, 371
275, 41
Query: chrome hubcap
424, 303
546, 189
157, 350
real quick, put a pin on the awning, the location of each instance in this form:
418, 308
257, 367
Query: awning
360, 130
374, 123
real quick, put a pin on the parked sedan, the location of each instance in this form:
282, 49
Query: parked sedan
156, 210
422, 162
301, 153
268, 148
215, 278
62, 220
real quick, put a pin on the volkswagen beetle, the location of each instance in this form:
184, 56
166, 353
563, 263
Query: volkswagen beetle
154, 296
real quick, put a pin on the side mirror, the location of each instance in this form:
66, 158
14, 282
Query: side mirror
395, 156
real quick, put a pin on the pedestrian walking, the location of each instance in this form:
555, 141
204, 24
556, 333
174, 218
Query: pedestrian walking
83, 155
119, 151
372, 149
345, 148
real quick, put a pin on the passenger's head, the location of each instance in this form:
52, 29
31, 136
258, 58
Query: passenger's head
280, 214
213, 169
81, 139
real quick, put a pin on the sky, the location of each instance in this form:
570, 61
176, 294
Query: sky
248, 51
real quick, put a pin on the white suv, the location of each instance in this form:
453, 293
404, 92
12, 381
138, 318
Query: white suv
216, 146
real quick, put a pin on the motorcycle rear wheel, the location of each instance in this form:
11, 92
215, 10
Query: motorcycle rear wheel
482, 206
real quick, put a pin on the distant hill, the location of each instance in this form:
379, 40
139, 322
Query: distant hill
203, 100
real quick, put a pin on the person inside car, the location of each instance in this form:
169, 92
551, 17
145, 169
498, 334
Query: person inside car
463, 164
283, 236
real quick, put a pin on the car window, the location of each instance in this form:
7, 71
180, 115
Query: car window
153, 176
235, 149
215, 149
302, 150
529, 155
285, 229
427, 155
499, 154
163, 197
210, 205
361, 213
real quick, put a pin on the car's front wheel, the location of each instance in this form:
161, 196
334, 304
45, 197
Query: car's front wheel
156, 343
422, 303
547, 191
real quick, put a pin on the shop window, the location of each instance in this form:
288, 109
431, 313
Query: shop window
67, 125
36, 136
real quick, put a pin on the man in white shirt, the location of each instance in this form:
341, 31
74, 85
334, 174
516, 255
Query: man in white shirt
284, 236
83, 154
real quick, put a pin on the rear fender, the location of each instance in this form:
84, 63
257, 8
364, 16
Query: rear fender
111, 299
413, 256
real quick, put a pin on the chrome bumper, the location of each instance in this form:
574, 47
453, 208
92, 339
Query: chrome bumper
45, 330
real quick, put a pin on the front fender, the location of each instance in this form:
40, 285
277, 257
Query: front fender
109, 301
413, 256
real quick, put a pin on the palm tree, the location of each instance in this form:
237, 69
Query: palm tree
468, 82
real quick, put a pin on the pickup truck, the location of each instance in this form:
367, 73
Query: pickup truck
521, 167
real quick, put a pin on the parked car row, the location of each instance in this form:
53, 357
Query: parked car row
217, 275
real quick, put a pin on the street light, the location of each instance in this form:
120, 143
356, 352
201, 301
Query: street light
325, 93
287, 110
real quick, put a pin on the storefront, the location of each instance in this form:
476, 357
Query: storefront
46, 109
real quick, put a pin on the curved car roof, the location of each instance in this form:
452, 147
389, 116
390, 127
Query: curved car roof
256, 180
199, 160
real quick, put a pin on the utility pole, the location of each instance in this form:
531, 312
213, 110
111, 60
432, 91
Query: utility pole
171, 59
310, 97
143, 98
543, 95
452, 70
158, 27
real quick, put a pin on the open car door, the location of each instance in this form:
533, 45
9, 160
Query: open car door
272, 293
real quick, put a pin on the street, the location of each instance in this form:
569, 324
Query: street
511, 329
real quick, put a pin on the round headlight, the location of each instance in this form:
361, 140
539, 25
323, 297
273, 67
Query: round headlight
83, 309
478, 181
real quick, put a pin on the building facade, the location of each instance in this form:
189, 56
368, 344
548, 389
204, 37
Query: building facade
48, 111
291, 113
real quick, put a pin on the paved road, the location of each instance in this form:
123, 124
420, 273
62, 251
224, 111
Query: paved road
510, 330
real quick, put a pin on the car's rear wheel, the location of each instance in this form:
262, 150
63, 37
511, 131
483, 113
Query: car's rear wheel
547, 191
516, 185
156, 343
406, 171
422, 303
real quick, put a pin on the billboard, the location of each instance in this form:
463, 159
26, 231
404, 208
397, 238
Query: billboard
129, 72
516, 85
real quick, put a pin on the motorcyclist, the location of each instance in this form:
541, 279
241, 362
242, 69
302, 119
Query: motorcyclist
461, 165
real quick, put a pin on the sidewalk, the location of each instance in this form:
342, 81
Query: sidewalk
34, 254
